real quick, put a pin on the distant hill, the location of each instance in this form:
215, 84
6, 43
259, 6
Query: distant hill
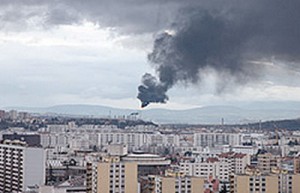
247, 113
273, 125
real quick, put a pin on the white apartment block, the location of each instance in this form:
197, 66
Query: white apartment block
215, 139
20, 166
210, 168
164, 139
54, 139
251, 150
133, 140
220, 166
138, 140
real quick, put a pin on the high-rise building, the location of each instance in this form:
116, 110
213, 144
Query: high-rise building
215, 139
112, 176
21, 166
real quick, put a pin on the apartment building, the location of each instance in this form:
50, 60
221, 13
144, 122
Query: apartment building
176, 184
237, 161
137, 140
256, 183
133, 140
214, 139
111, 175
282, 183
266, 162
49, 140
148, 164
212, 167
91, 177
21, 166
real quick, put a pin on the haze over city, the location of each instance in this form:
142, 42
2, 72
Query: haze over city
96, 52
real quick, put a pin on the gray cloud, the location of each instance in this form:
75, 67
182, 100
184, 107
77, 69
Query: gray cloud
221, 36
226, 39
127, 16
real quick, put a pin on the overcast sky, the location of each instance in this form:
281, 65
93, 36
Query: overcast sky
95, 52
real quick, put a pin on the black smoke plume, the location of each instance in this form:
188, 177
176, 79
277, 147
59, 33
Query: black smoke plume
228, 39
152, 91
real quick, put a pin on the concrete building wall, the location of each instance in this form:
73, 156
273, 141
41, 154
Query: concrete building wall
296, 183
20, 167
131, 181
297, 165
256, 184
168, 185
172, 184
117, 177
34, 166
271, 184
103, 178
242, 184
197, 185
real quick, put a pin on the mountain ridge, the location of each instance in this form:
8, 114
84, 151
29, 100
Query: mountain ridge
207, 114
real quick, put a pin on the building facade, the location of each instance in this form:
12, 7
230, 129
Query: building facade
176, 184
20, 166
112, 176
281, 183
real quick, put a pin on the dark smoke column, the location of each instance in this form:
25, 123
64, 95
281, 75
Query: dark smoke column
229, 40
151, 91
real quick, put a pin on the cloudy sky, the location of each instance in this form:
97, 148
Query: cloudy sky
96, 51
